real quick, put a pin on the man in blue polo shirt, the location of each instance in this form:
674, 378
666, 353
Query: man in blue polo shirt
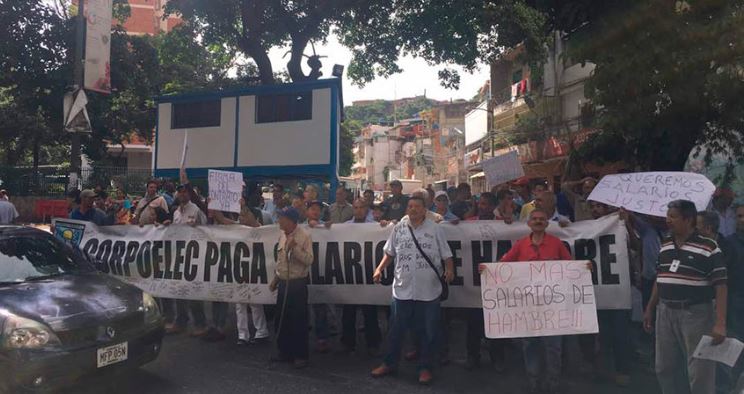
88, 213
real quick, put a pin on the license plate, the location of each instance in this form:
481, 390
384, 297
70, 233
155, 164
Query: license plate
112, 354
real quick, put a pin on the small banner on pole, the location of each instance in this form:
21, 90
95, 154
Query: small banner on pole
98, 45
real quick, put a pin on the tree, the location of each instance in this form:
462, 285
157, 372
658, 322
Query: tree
668, 76
33, 75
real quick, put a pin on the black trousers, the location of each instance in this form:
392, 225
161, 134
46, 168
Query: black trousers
476, 332
291, 321
371, 326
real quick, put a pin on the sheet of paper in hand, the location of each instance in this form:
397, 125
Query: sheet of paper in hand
726, 352
538, 298
650, 192
503, 168
225, 190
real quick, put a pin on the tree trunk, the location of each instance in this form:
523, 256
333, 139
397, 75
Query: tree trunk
251, 37
294, 66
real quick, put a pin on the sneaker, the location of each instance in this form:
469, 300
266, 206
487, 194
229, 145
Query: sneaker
259, 341
383, 370
411, 356
425, 377
199, 332
172, 329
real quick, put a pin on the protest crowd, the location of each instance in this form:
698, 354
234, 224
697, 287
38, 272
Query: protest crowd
686, 269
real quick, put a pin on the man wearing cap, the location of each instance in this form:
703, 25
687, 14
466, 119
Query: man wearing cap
522, 191
87, 212
721, 204
441, 206
294, 258
395, 205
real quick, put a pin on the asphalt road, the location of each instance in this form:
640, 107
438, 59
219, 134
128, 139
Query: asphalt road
188, 365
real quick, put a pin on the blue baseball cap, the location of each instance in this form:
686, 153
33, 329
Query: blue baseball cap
290, 213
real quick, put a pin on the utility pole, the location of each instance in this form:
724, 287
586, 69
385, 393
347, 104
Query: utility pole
77, 83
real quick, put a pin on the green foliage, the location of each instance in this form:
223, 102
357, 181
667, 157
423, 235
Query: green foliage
385, 112
33, 70
346, 144
667, 78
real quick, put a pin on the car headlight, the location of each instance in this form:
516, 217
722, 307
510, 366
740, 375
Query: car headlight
150, 307
22, 333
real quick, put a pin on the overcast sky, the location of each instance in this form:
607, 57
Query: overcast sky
417, 77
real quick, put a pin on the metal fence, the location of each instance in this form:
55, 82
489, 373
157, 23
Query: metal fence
52, 181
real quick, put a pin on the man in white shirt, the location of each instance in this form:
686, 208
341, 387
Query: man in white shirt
416, 286
546, 202
721, 204
186, 213
8, 212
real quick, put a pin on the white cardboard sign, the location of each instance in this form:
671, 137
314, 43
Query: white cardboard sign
503, 168
650, 192
538, 298
225, 190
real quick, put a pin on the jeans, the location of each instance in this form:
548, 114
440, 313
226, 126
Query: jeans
475, 332
614, 330
259, 321
424, 318
179, 315
291, 323
322, 330
678, 334
371, 326
533, 349
219, 314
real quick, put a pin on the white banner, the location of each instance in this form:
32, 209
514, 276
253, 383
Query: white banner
236, 263
503, 168
98, 45
538, 298
650, 192
225, 190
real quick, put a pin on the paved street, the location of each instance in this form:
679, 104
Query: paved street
187, 365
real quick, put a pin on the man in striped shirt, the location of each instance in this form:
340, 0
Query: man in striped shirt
691, 271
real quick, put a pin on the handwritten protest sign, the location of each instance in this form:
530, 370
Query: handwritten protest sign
503, 168
538, 298
225, 190
650, 192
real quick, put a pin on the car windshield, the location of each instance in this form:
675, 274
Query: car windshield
37, 256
